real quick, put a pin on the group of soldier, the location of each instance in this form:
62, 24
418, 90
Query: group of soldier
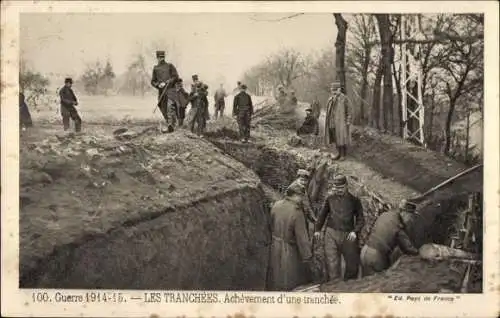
172, 102
339, 222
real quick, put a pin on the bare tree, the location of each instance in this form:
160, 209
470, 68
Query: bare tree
340, 45
359, 57
285, 66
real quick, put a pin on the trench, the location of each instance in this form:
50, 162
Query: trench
218, 243
435, 221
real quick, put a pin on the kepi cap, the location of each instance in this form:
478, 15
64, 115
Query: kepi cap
303, 173
68, 80
160, 53
243, 86
339, 181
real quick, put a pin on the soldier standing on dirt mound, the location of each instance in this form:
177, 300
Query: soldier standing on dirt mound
164, 77
68, 103
343, 214
243, 110
199, 108
338, 121
290, 261
281, 96
182, 102
387, 233
220, 103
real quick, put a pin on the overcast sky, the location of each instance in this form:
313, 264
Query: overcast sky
210, 44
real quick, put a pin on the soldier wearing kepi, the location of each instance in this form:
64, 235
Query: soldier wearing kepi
243, 110
388, 232
220, 103
290, 259
182, 102
343, 214
164, 77
68, 103
199, 102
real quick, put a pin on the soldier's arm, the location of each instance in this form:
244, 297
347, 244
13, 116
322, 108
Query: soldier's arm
325, 210
405, 243
251, 104
302, 237
154, 79
358, 212
235, 105
174, 75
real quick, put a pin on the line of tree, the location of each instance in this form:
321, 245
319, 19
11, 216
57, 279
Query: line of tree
366, 61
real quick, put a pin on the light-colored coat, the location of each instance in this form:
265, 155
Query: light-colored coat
290, 246
338, 118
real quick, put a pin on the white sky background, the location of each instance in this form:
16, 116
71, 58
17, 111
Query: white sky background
209, 44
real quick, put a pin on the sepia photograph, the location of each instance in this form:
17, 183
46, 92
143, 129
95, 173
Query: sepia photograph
305, 152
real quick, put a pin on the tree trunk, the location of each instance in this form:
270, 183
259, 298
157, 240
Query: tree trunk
364, 85
387, 52
468, 136
447, 127
376, 96
397, 79
340, 50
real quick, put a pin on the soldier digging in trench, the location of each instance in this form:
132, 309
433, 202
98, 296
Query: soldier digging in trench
337, 121
164, 77
290, 262
68, 103
243, 110
343, 214
388, 232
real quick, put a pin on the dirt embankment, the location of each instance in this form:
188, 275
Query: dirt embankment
149, 211
276, 156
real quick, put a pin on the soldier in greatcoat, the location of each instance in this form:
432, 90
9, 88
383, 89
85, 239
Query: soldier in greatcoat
316, 108
338, 121
68, 106
388, 232
243, 110
281, 96
290, 261
164, 77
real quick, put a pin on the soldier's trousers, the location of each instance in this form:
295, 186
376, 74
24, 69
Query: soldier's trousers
70, 112
25, 116
219, 108
169, 111
244, 118
200, 120
337, 245
182, 115
373, 261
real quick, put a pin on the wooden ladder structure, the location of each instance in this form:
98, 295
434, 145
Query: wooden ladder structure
466, 236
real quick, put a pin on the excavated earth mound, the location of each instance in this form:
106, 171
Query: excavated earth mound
139, 210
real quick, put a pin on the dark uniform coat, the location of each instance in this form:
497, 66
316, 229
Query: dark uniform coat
68, 110
167, 73
309, 126
24, 112
290, 247
243, 109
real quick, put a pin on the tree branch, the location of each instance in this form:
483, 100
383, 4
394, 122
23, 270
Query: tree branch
277, 20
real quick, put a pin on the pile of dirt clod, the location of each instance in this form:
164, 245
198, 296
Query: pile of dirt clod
147, 211
410, 274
